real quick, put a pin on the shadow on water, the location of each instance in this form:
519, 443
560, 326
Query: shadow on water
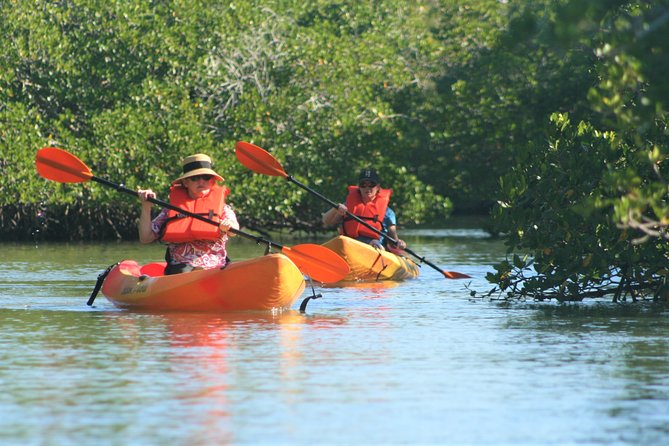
591, 309
641, 319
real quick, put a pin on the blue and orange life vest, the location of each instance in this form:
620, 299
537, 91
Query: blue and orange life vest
372, 213
180, 228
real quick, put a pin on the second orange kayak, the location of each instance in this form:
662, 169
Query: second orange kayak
369, 264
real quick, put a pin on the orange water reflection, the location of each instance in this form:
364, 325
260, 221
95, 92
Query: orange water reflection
210, 351
378, 285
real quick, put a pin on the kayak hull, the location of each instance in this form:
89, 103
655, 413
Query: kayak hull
263, 283
369, 264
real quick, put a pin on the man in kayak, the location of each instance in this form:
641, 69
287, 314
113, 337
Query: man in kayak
191, 243
369, 202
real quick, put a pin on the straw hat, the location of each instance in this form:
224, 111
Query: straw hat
198, 164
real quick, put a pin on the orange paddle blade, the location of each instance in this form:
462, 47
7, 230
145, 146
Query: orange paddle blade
258, 160
318, 262
455, 275
59, 165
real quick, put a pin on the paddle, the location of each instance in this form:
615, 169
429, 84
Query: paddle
316, 261
261, 161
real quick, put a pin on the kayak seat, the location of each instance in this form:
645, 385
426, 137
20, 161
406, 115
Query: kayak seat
153, 269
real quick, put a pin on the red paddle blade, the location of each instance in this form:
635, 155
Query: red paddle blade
318, 262
59, 165
258, 160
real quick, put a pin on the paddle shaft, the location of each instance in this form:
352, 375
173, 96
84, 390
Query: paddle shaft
370, 227
164, 204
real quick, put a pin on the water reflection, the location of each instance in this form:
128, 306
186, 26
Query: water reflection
613, 355
411, 362
262, 353
367, 286
204, 366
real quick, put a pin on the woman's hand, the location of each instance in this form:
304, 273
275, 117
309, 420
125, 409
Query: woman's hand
226, 224
145, 194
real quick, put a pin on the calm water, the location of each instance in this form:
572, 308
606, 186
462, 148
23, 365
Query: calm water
415, 363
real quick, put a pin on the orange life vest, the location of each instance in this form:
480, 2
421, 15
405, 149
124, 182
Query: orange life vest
180, 228
372, 213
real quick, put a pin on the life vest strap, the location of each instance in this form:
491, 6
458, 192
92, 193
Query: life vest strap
375, 218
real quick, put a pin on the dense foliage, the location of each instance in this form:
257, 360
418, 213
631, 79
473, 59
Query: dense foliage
589, 207
131, 87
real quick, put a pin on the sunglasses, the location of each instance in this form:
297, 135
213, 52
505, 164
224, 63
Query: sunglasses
195, 178
367, 185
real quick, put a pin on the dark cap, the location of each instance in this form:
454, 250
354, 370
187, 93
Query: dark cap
369, 175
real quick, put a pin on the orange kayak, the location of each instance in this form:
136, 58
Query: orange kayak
369, 264
263, 283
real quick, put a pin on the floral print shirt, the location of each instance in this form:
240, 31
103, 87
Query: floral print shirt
204, 254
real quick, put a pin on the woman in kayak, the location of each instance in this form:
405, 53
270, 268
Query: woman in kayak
369, 202
191, 243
